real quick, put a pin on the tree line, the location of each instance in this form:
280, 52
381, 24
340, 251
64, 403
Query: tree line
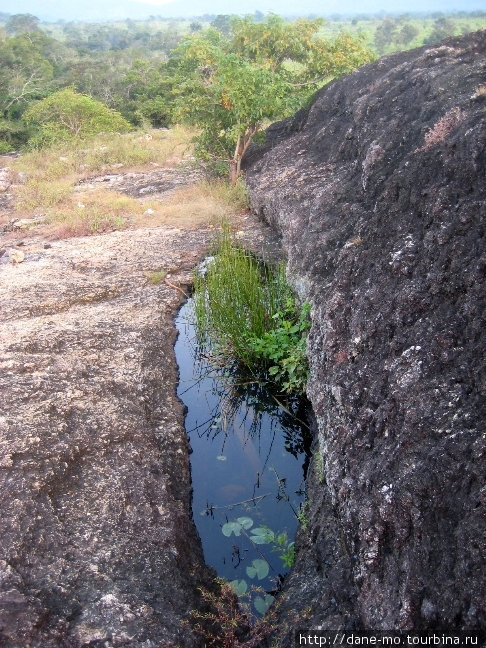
229, 77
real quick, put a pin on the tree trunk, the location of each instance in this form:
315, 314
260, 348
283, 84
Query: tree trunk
241, 146
235, 164
234, 172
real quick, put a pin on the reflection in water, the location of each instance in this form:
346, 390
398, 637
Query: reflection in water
250, 456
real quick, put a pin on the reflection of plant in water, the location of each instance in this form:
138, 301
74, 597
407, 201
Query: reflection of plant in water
237, 394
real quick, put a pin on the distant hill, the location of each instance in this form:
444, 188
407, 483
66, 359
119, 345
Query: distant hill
52, 10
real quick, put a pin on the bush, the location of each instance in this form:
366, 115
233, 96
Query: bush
67, 115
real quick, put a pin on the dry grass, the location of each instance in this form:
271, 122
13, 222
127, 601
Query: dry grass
52, 174
203, 203
92, 212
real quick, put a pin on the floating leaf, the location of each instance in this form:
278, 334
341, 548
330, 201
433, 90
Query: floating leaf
262, 535
239, 587
246, 522
231, 527
259, 568
262, 604
221, 458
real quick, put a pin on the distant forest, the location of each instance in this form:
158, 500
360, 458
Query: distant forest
126, 65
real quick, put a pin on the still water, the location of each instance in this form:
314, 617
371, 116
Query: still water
250, 455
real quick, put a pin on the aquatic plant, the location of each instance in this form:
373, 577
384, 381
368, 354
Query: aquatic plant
245, 310
259, 568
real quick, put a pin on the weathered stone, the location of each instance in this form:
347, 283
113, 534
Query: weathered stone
158, 183
15, 256
5, 179
378, 191
97, 544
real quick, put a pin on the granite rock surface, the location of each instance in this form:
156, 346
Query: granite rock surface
378, 191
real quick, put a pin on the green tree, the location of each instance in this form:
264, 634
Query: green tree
443, 28
147, 89
26, 72
22, 24
407, 33
230, 87
66, 115
385, 34
222, 23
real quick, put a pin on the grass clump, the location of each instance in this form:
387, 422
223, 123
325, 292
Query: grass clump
234, 196
156, 277
82, 214
246, 310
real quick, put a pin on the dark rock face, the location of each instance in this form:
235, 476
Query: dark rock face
379, 194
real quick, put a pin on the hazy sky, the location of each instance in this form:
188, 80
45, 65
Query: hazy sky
109, 9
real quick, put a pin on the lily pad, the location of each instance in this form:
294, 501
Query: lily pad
245, 522
262, 604
259, 568
262, 535
239, 587
231, 527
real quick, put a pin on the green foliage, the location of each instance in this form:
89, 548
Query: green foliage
22, 24
67, 115
284, 347
157, 277
285, 548
230, 85
129, 66
319, 466
303, 516
443, 28
27, 70
247, 311
280, 542
145, 93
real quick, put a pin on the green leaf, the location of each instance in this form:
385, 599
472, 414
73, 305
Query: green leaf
239, 587
231, 527
245, 522
262, 535
262, 604
259, 568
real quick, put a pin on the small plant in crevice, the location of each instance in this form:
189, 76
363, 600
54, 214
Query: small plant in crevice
246, 311
303, 515
156, 277
228, 622
319, 466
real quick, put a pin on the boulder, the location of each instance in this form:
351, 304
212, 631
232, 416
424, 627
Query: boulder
378, 191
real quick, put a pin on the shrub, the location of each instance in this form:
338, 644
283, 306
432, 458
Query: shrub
67, 115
